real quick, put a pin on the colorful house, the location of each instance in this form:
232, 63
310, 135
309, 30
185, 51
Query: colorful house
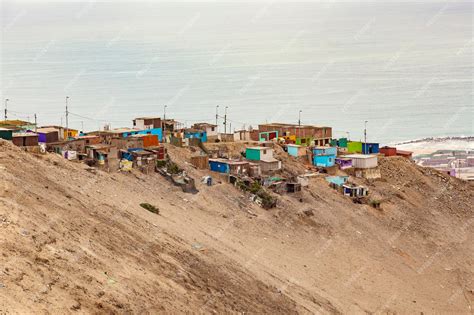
264, 157
324, 156
337, 180
47, 135
259, 153
370, 148
210, 129
153, 131
195, 134
354, 147
344, 163
70, 133
388, 151
6, 133
17, 124
27, 139
218, 165
341, 142
304, 141
296, 150
363, 161
267, 135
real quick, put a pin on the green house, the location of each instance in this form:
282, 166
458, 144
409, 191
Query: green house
6, 134
354, 147
259, 153
306, 141
341, 142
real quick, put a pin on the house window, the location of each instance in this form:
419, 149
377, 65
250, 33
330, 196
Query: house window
213, 129
148, 132
264, 151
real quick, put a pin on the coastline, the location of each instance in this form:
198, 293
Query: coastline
433, 144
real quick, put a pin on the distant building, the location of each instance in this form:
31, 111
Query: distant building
405, 154
27, 139
388, 151
6, 134
318, 135
191, 133
142, 123
370, 148
47, 135
17, 124
296, 150
210, 129
264, 157
363, 161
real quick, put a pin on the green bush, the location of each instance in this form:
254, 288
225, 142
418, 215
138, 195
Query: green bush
150, 208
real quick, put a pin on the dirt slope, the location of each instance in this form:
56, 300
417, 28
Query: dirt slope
75, 241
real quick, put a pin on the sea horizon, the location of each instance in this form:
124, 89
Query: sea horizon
402, 67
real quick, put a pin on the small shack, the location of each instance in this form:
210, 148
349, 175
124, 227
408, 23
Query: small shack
200, 161
218, 165
344, 163
27, 139
6, 134
370, 148
48, 135
388, 151
363, 161
405, 154
296, 150
354, 191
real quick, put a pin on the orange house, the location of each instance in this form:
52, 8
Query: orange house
148, 140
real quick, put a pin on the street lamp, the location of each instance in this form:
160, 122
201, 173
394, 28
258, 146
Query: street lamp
6, 102
67, 118
164, 122
365, 137
225, 119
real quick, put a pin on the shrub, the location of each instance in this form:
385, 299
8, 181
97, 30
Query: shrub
150, 208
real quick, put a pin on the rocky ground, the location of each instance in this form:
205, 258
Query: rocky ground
74, 239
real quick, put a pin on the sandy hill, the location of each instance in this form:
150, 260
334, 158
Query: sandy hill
76, 240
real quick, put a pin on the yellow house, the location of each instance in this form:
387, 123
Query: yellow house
71, 133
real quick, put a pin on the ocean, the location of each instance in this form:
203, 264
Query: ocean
406, 68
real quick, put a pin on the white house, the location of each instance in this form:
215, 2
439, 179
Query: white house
363, 160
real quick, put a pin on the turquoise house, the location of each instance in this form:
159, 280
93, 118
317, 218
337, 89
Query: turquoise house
324, 156
296, 150
324, 160
195, 134
152, 131
259, 154
325, 151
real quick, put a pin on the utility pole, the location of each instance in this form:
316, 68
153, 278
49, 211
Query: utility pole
299, 118
36, 123
82, 126
164, 123
217, 116
67, 118
348, 135
225, 120
6, 110
365, 138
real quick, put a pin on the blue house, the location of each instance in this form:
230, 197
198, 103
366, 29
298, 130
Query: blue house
217, 165
152, 131
195, 134
370, 148
324, 156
